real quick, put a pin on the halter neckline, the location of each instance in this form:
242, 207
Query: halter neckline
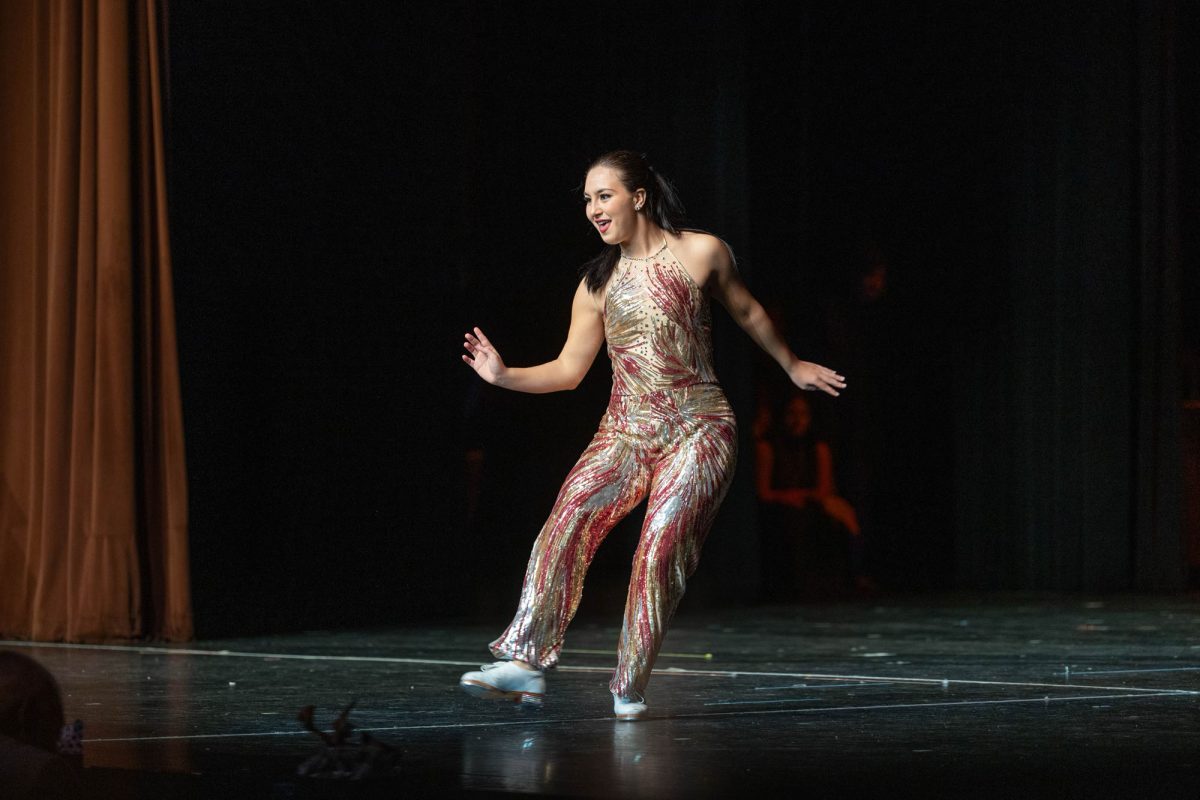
647, 258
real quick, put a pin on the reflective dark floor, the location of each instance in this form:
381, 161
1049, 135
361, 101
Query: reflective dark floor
956, 696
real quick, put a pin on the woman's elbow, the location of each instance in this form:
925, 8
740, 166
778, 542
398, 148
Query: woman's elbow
750, 314
573, 375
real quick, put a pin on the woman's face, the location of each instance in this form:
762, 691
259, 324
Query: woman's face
609, 205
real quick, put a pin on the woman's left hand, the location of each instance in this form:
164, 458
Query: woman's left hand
808, 375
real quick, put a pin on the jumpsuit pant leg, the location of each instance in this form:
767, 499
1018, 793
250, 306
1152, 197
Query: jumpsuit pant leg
690, 479
610, 478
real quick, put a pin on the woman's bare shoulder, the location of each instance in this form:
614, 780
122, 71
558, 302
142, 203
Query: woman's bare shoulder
697, 241
703, 254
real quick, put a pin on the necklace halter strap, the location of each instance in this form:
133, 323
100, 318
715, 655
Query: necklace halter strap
647, 258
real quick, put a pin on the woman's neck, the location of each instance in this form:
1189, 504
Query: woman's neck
645, 241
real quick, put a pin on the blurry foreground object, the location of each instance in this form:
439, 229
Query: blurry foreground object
31, 730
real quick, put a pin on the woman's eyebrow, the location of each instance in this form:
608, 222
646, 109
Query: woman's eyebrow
601, 189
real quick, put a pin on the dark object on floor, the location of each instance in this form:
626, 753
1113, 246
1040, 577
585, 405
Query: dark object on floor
342, 759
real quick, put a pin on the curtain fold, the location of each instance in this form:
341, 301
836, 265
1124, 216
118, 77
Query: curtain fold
1160, 554
1068, 435
93, 523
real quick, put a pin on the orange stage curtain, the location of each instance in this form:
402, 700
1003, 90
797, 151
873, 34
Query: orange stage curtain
93, 502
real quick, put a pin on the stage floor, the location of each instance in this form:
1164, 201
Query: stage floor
971, 696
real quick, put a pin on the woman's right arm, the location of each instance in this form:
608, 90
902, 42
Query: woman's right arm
565, 372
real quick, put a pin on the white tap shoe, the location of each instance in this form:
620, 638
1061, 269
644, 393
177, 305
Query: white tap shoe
504, 680
630, 709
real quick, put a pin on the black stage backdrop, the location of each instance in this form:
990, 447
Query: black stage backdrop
354, 185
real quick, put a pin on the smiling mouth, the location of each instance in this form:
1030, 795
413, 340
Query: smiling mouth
603, 224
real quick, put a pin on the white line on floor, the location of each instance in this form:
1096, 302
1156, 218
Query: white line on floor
716, 673
461, 725
822, 687
1130, 671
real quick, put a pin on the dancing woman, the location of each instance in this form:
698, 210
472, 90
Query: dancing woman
668, 431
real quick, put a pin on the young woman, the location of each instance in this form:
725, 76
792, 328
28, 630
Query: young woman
797, 495
668, 432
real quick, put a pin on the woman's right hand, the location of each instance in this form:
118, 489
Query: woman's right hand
486, 361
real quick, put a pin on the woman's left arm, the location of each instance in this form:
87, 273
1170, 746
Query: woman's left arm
728, 288
825, 486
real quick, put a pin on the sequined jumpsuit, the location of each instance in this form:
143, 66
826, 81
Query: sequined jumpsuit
668, 432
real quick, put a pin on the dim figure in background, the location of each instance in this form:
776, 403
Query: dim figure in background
810, 535
668, 433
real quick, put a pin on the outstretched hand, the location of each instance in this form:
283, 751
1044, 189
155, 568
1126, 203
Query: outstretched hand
808, 375
486, 361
